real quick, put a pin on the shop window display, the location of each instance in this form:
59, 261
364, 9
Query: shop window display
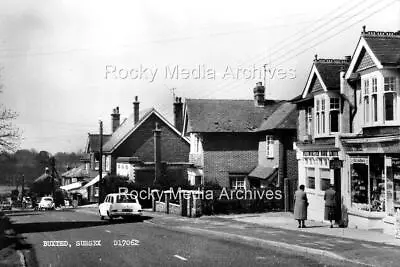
393, 185
377, 184
359, 185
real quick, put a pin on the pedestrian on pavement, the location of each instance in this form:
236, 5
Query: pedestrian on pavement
330, 204
300, 206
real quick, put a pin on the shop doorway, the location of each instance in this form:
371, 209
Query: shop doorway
338, 186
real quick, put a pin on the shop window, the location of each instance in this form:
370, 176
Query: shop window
310, 178
377, 184
325, 180
359, 183
393, 186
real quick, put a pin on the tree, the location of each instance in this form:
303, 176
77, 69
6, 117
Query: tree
9, 134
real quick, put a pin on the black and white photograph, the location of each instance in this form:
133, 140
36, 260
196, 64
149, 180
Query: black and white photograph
199, 133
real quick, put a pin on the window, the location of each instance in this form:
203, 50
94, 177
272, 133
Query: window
366, 101
325, 180
323, 115
389, 98
309, 120
197, 180
317, 117
374, 99
310, 178
237, 182
269, 150
334, 106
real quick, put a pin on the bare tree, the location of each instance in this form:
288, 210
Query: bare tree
9, 134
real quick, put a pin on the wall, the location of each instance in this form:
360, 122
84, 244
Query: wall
229, 152
141, 144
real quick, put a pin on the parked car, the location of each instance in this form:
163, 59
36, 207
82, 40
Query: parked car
120, 205
5, 204
46, 203
27, 202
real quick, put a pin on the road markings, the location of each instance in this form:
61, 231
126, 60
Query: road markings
180, 257
108, 231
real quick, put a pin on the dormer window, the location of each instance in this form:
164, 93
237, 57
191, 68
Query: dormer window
327, 113
389, 98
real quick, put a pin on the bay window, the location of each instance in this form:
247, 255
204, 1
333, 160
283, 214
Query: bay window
323, 115
366, 101
318, 118
334, 106
374, 99
389, 98
309, 116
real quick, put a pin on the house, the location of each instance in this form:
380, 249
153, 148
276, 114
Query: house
360, 154
372, 149
146, 145
90, 168
241, 144
322, 114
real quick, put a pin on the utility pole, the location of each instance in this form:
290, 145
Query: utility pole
101, 163
23, 185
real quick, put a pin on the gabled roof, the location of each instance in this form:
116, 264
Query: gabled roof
327, 71
93, 142
225, 115
129, 126
382, 47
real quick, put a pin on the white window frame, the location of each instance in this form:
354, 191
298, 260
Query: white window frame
334, 107
269, 146
390, 87
238, 183
309, 120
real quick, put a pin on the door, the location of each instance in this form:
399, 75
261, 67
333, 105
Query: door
338, 189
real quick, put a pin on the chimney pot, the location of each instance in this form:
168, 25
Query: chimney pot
364, 29
115, 119
178, 114
259, 94
136, 110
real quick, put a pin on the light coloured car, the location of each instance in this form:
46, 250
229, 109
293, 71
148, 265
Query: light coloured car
120, 205
46, 203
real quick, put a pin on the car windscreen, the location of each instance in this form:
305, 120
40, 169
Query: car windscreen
126, 199
47, 199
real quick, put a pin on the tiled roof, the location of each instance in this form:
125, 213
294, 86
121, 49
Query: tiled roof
224, 115
330, 69
94, 142
124, 129
385, 46
79, 172
285, 117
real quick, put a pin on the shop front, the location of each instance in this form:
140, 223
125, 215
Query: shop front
319, 167
372, 191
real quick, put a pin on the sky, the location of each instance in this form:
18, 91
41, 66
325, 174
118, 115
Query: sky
66, 64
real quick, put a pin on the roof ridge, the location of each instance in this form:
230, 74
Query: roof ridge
381, 34
332, 60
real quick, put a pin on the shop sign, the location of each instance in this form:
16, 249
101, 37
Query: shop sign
335, 164
359, 160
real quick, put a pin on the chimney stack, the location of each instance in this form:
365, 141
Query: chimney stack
259, 95
115, 119
157, 153
136, 110
178, 114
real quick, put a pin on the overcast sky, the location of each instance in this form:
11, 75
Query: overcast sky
58, 57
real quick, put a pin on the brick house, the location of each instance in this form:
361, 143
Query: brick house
240, 143
138, 148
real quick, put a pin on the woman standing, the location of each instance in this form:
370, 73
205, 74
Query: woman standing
300, 206
330, 204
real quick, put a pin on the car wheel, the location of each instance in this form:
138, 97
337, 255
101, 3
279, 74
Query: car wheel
109, 216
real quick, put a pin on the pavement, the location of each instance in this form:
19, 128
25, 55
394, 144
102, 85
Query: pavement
154, 240
279, 230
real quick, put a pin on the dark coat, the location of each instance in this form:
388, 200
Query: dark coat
300, 205
330, 198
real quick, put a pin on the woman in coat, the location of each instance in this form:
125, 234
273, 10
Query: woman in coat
330, 205
300, 206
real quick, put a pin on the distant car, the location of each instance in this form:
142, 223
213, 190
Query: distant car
5, 205
27, 202
120, 205
46, 203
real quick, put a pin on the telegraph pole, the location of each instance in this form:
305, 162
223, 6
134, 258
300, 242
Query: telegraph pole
101, 163
23, 185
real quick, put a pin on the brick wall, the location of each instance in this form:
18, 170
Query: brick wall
141, 144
